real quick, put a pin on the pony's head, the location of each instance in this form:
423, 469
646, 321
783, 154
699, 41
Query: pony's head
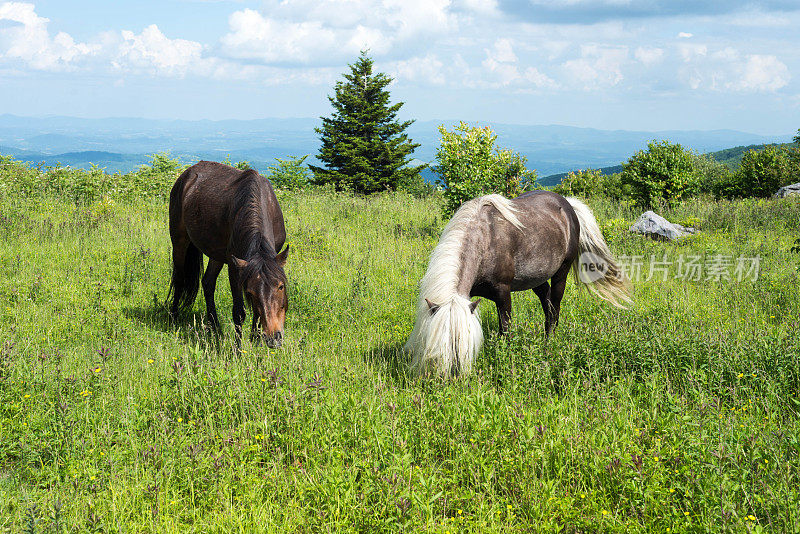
264, 285
447, 336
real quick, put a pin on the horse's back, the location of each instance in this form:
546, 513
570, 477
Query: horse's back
204, 201
547, 241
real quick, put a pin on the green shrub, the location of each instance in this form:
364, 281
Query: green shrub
469, 165
290, 173
763, 172
662, 174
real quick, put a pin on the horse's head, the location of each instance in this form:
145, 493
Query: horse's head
264, 286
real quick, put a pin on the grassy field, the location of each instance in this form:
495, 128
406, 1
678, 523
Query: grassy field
679, 415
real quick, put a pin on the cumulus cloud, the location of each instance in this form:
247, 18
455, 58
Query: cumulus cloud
28, 39
420, 69
501, 68
761, 73
325, 32
153, 50
727, 69
648, 56
598, 66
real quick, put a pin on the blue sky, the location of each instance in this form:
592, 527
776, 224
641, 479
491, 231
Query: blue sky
612, 64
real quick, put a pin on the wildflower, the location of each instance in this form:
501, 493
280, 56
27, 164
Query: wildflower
508, 506
150, 360
583, 495
656, 458
740, 375
685, 513
672, 490
751, 517
27, 396
605, 512
180, 419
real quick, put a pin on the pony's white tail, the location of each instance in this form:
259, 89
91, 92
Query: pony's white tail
604, 276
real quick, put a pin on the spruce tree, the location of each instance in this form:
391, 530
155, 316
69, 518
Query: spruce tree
364, 147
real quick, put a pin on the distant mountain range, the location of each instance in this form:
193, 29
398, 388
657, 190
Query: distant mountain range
122, 144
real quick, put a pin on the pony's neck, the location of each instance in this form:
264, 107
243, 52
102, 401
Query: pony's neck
454, 263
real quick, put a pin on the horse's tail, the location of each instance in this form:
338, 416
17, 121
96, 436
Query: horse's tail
595, 266
187, 266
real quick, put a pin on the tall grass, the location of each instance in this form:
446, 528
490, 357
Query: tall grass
679, 414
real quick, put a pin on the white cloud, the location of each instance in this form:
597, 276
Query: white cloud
762, 73
685, 35
727, 69
254, 36
327, 31
154, 51
539, 79
29, 40
649, 56
501, 68
598, 66
690, 52
420, 69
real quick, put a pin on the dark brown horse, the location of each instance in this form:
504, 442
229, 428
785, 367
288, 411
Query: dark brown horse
233, 217
493, 246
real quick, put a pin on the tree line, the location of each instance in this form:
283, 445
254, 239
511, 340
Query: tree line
365, 149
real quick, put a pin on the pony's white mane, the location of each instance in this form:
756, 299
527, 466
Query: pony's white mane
447, 341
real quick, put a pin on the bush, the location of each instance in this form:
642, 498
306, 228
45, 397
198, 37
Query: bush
763, 172
711, 176
662, 174
290, 173
585, 183
83, 187
469, 165
416, 186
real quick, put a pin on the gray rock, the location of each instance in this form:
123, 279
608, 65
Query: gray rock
657, 227
787, 190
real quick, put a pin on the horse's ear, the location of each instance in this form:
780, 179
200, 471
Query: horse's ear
282, 256
241, 264
474, 305
432, 307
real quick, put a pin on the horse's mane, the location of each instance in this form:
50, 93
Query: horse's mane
450, 338
444, 266
247, 223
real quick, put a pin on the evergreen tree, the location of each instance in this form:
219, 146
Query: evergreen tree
364, 147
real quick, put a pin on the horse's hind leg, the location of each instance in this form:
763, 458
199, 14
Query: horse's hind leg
187, 263
544, 292
209, 285
558, 284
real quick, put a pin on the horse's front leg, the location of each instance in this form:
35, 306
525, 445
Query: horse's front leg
238, 304
209, 285
503, 301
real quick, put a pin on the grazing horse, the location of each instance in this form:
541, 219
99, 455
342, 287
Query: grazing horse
233, 217
493, 246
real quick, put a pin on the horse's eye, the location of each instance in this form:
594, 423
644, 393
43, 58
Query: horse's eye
280, 286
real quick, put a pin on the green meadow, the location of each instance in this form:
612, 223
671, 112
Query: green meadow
677, 415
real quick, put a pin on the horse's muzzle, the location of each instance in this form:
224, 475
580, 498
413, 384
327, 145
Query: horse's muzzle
275, 341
